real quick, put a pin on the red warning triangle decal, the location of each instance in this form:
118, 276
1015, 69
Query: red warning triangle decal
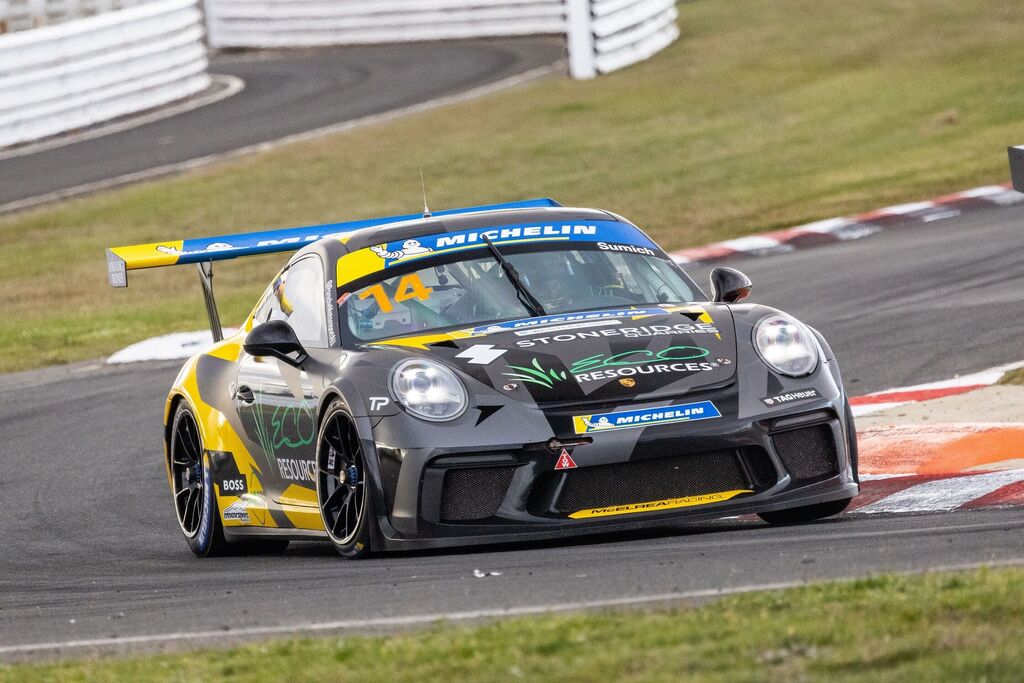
565, 461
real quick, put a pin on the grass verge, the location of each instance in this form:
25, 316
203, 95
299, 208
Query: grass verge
1013, 377
956, 626
763, 115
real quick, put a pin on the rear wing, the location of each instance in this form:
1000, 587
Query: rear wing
1017, 167
204, 251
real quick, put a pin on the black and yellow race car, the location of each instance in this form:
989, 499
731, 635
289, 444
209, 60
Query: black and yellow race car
492, 374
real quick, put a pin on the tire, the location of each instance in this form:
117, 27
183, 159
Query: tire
807, 513
342, 490
195, 504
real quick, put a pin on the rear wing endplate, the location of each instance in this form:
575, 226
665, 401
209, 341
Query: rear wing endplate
204, 251
1017, 167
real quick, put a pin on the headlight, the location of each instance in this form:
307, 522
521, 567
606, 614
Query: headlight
786, 346
428, 390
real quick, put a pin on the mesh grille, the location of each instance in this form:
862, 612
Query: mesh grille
646, 480
473, 492
808, 453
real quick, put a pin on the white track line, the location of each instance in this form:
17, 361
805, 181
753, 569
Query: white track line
231, 85
182, 166
944, 494
425, 619
985, 377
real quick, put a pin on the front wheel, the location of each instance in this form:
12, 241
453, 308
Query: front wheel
807, 513
341, 484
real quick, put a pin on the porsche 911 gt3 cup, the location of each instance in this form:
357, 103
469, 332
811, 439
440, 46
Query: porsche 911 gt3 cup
492, 374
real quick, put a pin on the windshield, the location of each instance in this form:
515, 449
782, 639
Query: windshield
460, 293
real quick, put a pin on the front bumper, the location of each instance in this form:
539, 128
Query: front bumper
499, 492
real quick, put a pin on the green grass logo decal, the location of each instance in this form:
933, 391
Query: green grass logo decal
536, 374
290, 427
639, 357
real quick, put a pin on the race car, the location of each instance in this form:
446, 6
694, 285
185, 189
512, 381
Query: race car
491, 374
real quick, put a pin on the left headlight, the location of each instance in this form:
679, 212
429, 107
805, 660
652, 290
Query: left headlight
786, 346
428, 390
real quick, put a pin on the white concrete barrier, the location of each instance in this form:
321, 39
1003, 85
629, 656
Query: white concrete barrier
603, 35
280, 23
612, 34
23, 15
76, 74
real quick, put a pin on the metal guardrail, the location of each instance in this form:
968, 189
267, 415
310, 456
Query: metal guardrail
72, 75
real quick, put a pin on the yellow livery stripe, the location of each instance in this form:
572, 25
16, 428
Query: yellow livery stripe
149, 255
658, 505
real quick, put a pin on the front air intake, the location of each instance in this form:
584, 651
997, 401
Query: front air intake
648, 480
808, 453
473, 493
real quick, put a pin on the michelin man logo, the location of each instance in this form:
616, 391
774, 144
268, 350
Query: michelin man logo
409, 248
602, 423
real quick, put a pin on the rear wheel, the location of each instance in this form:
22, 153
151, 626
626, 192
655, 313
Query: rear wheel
807, 513
191, 484
341, 484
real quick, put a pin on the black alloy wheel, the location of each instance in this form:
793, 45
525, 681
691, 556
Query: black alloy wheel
191, 484
341, 484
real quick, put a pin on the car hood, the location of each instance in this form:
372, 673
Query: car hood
607, 355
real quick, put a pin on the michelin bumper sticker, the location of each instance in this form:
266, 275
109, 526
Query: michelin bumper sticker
645, 417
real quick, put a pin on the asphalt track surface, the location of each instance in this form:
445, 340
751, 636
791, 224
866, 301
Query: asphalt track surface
91, 549
286, 92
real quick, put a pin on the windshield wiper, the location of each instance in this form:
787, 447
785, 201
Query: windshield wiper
527, 299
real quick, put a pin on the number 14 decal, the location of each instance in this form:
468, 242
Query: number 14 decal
409, 287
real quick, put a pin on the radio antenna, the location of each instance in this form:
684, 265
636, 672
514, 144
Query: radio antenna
423, 185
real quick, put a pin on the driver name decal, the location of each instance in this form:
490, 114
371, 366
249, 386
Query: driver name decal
645, 417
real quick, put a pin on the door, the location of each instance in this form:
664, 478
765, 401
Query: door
276, 401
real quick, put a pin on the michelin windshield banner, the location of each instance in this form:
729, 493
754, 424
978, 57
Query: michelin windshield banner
609, 235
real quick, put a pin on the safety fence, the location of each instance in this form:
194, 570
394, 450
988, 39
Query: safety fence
607, 35
22, 15
286, 23
76, 74
603, 35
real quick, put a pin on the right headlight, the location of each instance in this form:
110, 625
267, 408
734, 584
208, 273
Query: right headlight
786, 346
428, 390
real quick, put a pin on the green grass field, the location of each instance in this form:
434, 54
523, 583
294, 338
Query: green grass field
943, 627
764, 114
1013, 377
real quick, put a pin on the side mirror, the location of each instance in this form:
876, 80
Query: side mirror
277, 339
729, 285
